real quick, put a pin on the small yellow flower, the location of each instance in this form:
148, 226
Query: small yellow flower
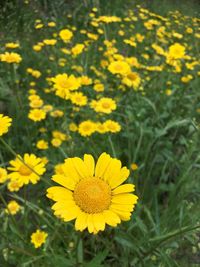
37, 114
66, 35
10, 57
86, 128
77, 49
73, 127
11, 45
105, 105
14, 185
51, 24
176, 51
56, 142
119, 67
27, 169
3, 175
134, 166
42, 144
112, 126
13, 207
5, 123
38, 238
78, 99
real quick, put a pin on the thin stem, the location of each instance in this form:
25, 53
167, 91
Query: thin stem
112, 146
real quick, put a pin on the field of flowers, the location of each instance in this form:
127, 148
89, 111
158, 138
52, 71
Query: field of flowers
99, 136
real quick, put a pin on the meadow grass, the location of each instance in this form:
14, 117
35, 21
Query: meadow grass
159, 121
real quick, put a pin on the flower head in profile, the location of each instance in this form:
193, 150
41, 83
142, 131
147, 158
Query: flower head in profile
3, 175
27, 169
10, 57
5, 123
38, 238
93, 196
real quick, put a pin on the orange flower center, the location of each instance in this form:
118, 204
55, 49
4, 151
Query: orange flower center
25, 170
92, 195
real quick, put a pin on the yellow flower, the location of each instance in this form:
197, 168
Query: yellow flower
50, 41
85, 80
10, 57
64, 83
65, 35
51, 24
105, 105
13, 207
73, 127
168, 92
93, 196
14, 185
119, 67
36, 103
56, 142
42, 144
187, 78
11, 45
5, 123
79, 99
132, 80
112, 126
99, 87
77, 49
134, 166
86, 128
3, 175
37, 114
57, 113
59, 135
27, 169
176, 51
38, 238
39, 26
100, 128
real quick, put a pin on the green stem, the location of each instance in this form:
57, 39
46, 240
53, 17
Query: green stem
112, 146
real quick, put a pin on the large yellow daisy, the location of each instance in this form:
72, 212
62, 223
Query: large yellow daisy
94, 196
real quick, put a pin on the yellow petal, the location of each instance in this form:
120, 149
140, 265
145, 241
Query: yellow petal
124, 199
90, 223
90, 164
125, 188
68, 214
70, 171
69, 183
123, 175
124, 216
126, 208
81, 221
99, 222
63, 205
111, 218
112, 171
59, 193
102, 164
80, 167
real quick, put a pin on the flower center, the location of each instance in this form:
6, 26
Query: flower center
24, 170
106, 105
92, 195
